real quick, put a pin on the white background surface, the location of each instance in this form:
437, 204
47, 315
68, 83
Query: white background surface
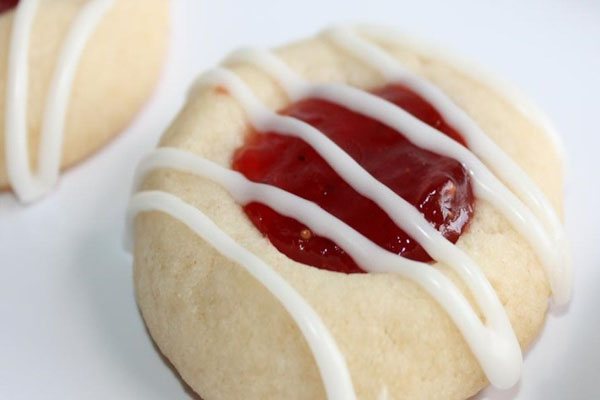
69, 326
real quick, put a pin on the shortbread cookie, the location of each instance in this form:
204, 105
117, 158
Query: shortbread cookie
288, 175
76, 70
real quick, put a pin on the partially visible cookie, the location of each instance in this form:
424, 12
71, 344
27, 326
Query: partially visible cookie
117, 71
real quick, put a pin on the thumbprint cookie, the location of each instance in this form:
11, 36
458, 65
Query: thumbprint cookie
352, 216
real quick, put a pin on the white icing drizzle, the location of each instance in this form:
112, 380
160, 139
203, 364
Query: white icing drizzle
29, 186
474, 70
493, 343
384, 394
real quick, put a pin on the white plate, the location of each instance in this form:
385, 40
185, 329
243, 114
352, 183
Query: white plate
69, 326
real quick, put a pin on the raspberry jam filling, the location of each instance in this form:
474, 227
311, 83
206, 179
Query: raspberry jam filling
439, 187
6, 5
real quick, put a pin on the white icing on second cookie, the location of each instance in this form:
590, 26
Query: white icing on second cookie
493, 343
27, 185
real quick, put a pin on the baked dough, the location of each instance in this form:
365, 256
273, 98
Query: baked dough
229, 338
118, 70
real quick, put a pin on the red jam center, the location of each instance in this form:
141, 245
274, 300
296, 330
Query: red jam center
439, 187
6, 5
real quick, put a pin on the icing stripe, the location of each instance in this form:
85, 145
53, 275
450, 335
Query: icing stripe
29, 186
328, 357
551, 250
506, 88
495, 346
